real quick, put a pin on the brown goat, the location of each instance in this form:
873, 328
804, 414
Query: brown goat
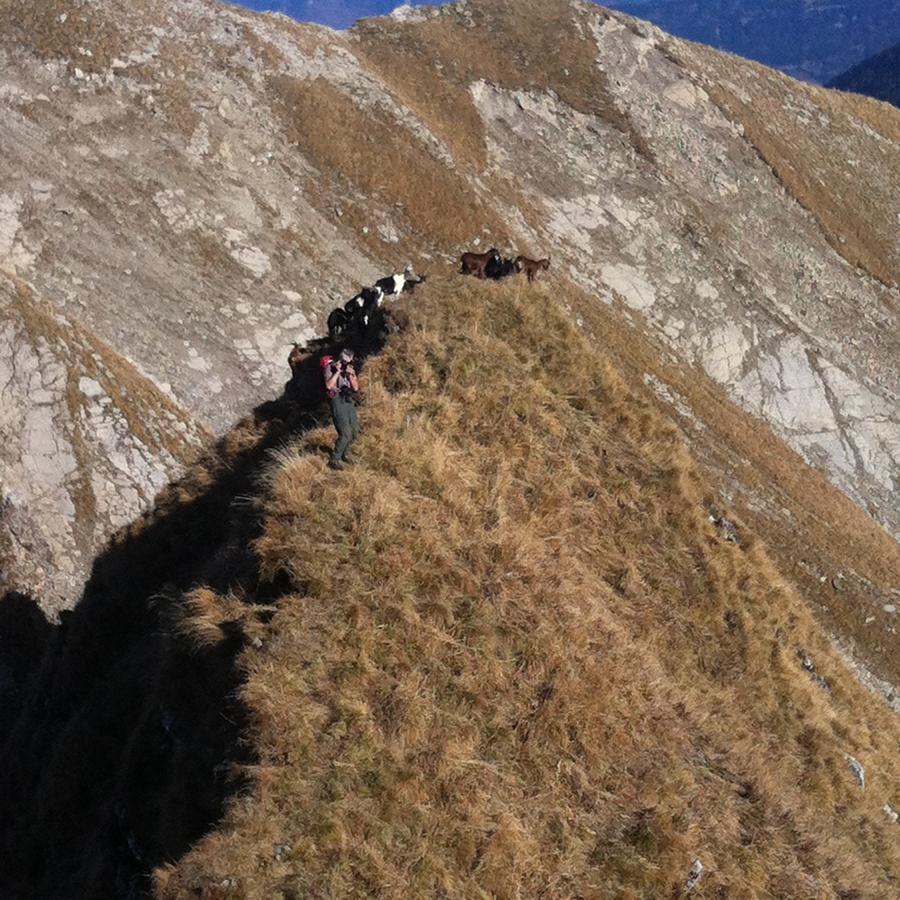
476, 263
531, 267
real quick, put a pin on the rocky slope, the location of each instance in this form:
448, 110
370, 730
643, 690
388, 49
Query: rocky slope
196, 185
878, 76
85, 444
812, 41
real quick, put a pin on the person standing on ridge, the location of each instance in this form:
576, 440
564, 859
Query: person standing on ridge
341, 385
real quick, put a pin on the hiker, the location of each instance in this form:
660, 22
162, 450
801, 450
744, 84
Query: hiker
341, 385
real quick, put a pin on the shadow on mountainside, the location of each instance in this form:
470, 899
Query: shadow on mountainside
129, 740
24, 634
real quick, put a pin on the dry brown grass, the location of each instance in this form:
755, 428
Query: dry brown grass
207, 619
821, 160
520, 662
825, 531
60, 29
380, 160
439, 99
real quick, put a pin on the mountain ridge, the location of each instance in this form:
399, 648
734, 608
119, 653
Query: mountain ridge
171, 199
508, 652
612, 538
208, 235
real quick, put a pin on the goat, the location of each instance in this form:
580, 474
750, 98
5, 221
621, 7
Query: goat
412, 283
356, 309
498, 268
338, 320
373, 298
395, 284
355, 304
476, 263
531, 267
296, 356
366, 298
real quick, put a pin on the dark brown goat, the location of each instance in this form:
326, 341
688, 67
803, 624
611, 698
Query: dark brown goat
296, 357
531, 267
476, 263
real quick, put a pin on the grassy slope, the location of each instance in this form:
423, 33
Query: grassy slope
519, 661
823, 531
826, 159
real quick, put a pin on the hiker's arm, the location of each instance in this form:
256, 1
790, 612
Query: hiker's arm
332, 380
351, 374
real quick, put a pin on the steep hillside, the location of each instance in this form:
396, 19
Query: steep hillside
510, 653
198, 184
507, 654
812, 41
878, 76
86, 443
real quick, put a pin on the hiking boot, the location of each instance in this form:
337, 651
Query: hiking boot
348, 459
335, 464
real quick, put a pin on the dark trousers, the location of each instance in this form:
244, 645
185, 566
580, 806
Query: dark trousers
343, 412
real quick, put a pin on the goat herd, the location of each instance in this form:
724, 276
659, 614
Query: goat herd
493, 265
357, 312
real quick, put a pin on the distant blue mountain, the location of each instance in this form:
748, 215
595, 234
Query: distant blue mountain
878, 77
811, 39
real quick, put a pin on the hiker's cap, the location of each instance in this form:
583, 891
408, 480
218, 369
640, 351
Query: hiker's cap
346, 354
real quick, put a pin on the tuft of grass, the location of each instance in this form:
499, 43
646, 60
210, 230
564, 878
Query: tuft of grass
207, 620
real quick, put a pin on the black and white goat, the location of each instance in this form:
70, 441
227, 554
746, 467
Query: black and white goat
395, 284
356, 313
353, 306
373, 299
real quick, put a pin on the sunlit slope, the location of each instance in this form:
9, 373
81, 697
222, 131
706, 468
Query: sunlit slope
518, 660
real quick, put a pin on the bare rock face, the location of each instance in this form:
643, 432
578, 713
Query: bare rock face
198, 185
85, 444
170, 218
